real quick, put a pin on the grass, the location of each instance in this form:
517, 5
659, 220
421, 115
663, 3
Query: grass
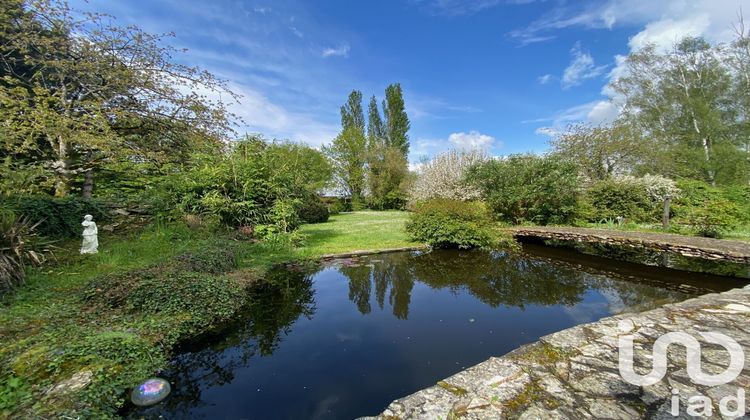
363, 230
48, 332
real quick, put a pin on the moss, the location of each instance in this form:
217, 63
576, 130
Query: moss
543, 354
530, 393
453, 389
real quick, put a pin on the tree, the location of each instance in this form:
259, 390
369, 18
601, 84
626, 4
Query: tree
348, 153
78, 92
396, 121
375, 130
739, 61
601, 151
682, 101
352, 114
388, 178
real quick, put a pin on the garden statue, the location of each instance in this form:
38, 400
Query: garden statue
90, 241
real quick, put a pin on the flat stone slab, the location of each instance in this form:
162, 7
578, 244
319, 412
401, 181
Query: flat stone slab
574, 373
691, 246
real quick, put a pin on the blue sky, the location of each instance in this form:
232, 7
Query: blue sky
499, 74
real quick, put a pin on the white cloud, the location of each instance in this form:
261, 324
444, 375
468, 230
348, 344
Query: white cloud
543, 80
340, 51
547, 131
458, 7
666, 32
421, 106
581, 67
471, 140
262, 115
664, 19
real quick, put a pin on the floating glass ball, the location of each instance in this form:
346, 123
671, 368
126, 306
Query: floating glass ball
150, 392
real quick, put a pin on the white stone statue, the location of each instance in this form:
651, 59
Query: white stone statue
90, 240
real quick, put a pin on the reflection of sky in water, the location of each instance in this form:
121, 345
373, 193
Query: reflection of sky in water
346, 340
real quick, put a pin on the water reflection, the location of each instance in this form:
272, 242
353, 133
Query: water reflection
344, 339
512, 280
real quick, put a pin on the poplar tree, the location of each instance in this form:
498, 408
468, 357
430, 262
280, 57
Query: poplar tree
396, 121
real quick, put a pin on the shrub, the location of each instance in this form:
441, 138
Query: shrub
313, 210
59, 217
213, 260
611, 199
18, 248
713, 218
339, 205
695, 194
520, 188
115, 290
445, 177
445, 223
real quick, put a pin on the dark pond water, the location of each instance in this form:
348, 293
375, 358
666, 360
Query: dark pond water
345, 339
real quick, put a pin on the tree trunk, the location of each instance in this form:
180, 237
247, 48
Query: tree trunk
61, 168
665, 214
88, 184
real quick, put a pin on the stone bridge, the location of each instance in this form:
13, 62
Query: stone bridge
689, 246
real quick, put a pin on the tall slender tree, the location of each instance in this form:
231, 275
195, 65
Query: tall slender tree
396, 121
352, 114
375, 129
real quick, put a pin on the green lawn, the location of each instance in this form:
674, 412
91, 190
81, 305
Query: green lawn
362, 230
48, 331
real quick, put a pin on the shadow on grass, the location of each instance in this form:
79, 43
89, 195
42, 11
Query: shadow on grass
320, 235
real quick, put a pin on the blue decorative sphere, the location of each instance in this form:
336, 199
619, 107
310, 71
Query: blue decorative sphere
150, 392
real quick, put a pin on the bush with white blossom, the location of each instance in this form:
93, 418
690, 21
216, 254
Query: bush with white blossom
444, 176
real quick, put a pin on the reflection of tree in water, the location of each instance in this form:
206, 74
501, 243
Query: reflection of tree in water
359, 286
392, 275
496, 279
273, 308
502, 279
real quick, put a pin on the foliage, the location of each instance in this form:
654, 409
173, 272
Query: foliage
19, 247
352, 115
348, 154
712, 219
58, 217
695, 194
313, 210
284, 214
528, 188
388, 178
445, 176
396, 121
445, 223
600, 151
253, 183
636, 199
613, 198
685, 100
376, 133
78, 92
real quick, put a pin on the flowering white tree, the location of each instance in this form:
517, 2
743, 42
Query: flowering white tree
443, 176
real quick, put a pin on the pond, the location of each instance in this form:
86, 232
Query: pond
344, 339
